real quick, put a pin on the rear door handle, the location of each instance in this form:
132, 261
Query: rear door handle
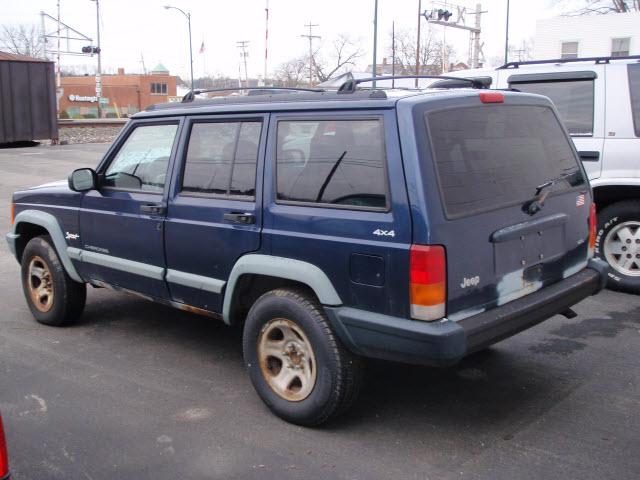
238, 217
589, 156
153, 209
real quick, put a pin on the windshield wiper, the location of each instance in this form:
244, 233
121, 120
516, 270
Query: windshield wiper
542, 192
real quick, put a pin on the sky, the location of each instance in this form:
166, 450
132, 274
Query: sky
136, 29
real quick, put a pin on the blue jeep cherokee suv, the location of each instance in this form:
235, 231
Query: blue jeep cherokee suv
414, 226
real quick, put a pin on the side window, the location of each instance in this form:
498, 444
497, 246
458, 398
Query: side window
143, 160
634, 91
573, 99
337, 162
569, 50
620, 47
221, 158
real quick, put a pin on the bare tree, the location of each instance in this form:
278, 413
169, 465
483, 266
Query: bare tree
600, 6
430, 53
292, 72
344, 52
22, 40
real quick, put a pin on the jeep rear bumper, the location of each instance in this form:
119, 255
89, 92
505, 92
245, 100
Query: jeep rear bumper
446, 342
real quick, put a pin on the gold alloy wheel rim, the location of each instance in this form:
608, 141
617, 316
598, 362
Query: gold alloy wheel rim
40, 284
287, 361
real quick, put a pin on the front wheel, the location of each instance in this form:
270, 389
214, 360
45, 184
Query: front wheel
53, 297
297, 365
618, 243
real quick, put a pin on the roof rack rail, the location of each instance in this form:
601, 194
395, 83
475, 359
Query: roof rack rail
190, 96
597, 60
350, 85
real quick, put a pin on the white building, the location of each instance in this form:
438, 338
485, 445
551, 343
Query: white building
614, 34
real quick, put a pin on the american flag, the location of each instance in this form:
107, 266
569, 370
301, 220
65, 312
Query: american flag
580, 199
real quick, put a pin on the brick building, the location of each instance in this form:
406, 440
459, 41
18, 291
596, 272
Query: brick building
122, 94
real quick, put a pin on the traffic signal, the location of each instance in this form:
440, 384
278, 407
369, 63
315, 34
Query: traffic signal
446, 14
89, 49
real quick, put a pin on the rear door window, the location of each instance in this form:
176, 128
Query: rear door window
492, 157
338, 163
573, 99
221, 159
634, 91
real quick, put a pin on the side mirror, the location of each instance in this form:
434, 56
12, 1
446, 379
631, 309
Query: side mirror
82, 180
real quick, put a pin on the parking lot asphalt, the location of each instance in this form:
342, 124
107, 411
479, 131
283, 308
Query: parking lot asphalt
140, 391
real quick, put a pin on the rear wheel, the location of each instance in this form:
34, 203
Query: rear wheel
53, 297
618, 243
297, 365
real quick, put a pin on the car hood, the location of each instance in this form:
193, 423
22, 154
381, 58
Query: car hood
50, 193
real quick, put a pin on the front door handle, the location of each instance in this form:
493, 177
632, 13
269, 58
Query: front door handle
238, 217
153, 209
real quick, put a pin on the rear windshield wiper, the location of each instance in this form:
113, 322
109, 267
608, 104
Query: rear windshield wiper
542, 192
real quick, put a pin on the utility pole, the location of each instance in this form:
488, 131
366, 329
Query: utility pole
266, 40
311, 37
418, 42
242, 45
393, 54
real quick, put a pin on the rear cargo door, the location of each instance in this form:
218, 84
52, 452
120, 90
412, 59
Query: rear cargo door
488, 162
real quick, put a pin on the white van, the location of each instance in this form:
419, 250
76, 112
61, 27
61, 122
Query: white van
599, 102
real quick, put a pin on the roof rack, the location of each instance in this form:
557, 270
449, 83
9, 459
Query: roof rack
597, 60
350, 85
190, 96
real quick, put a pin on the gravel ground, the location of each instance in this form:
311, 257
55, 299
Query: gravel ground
101, 134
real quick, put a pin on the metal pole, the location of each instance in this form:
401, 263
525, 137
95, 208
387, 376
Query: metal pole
99, 74
266, 40
310, 56
418, 43
375, 42
190, 49
506, 38
58, 82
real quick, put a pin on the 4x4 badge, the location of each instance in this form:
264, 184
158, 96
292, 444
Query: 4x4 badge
384, 233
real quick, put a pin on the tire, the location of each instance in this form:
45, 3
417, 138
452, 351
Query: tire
321, 378
618, 243
60, 301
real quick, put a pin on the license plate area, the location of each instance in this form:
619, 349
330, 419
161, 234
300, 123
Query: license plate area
532, 274
526, 247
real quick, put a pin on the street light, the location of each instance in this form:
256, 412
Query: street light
188, 17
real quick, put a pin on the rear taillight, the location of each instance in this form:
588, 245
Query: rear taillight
4, 461
593, 222
427, 282
12, 213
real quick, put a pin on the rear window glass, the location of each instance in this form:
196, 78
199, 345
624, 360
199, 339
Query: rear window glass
573, 99
634, 89
332, 162
492, 157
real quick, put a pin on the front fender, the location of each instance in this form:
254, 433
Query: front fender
52, 226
